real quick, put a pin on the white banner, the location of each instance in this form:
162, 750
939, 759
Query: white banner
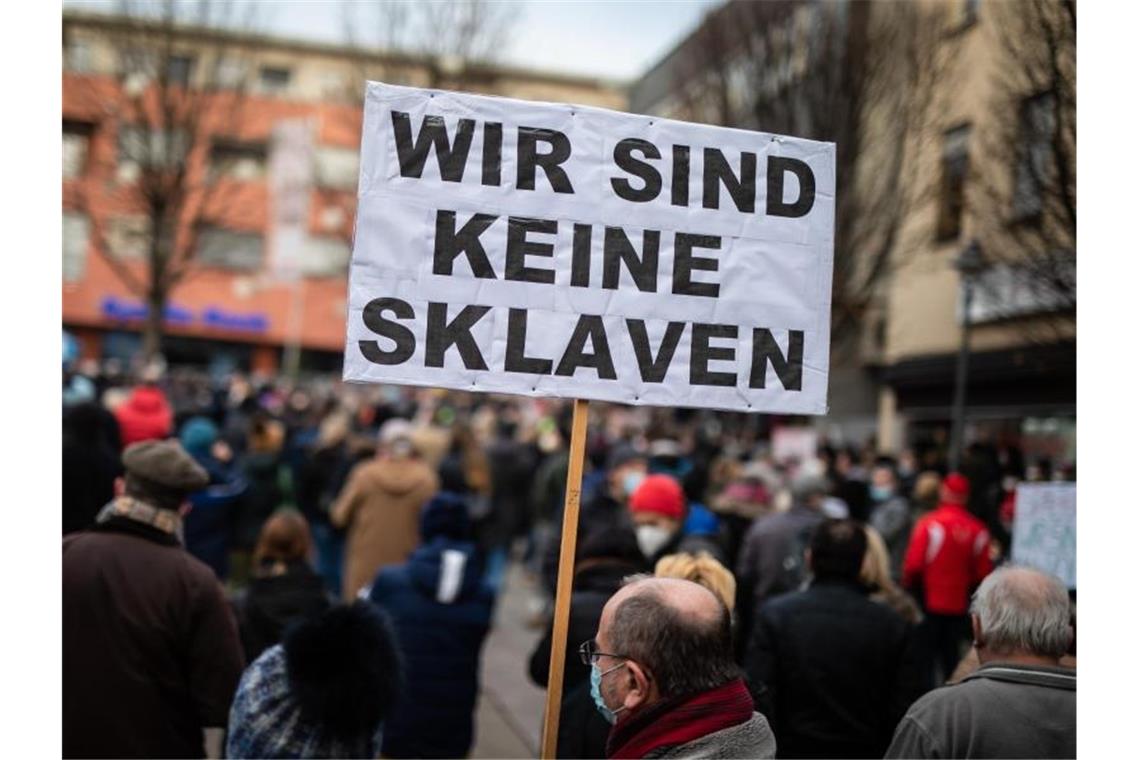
559, 250
1045, 529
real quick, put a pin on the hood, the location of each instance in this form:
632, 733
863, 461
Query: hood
398, 476
148, 399
276, 601
344, 669
447, 571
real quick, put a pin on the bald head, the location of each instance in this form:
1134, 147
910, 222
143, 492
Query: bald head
678, 630
684, 597
1021, 611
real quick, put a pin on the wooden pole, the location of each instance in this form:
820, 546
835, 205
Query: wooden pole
565, 578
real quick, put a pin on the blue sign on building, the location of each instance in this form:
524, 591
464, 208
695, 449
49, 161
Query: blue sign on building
211, 316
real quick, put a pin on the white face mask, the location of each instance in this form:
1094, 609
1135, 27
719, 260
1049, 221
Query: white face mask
650, 539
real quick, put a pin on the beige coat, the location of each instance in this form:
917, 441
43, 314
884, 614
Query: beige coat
380, 505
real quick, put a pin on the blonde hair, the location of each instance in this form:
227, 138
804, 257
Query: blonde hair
875, 573
701, 568
876, 569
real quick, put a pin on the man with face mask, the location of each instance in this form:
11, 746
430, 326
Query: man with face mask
657, 509
890, 513
663, 673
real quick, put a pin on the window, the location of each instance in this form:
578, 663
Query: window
230, 73
128, 236
333, 85
955, 162
74, 246
76, 142
1038, 121
77, 57
236, 160
324, 256
337, 167
137, 68
139, 148
179, 69
227, 249
274, 80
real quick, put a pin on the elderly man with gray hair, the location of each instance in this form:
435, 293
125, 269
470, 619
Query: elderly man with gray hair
1020, 702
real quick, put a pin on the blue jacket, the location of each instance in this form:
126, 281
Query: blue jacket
442, 613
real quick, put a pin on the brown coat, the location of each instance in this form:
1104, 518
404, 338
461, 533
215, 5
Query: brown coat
151, 653
380, 505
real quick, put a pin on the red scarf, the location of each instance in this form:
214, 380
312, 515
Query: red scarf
681, 720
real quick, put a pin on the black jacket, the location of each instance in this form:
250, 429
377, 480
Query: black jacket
840, 669
593, 587
151, 654
271, 604
90, 465
582, 731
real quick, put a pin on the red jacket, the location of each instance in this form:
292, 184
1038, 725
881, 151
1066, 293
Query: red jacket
144, 416
948, 555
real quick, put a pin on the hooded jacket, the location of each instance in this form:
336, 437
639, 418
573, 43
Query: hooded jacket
323, 692
380, 506
207, 525
272, 603
442, 612
144, 416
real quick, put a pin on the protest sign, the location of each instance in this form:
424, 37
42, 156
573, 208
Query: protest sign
1045, 529
559, 250
794, 444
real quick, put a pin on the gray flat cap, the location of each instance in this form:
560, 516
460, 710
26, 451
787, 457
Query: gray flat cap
166, 465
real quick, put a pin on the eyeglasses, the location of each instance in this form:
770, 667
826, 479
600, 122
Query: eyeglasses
589, 653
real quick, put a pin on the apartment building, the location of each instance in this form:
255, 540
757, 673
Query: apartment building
955, 125
260, 130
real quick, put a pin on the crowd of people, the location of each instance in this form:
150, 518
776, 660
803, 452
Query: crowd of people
314, 568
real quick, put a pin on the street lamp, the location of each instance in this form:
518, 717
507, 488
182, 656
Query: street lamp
969, 264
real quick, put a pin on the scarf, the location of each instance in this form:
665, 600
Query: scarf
127, 512
681, 720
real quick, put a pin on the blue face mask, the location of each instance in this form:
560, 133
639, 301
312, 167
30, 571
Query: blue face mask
631, 481
596, 692
881, 493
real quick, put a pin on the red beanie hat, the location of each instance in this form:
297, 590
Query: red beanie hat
955, 488
660, 494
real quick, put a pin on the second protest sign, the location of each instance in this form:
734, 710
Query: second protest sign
558, 250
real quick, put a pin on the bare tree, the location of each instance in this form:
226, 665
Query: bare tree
1022, 195
451, 39
437, 44
170, 101
859, 74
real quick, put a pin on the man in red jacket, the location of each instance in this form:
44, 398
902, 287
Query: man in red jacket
948, 556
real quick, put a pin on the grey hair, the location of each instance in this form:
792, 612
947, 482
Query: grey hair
1023, 610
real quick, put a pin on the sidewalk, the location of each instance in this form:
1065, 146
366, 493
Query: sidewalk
509, 714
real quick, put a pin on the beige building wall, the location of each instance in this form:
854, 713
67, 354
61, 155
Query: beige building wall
924, 290
320, 72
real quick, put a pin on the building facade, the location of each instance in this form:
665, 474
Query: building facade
261, 224
954, 122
